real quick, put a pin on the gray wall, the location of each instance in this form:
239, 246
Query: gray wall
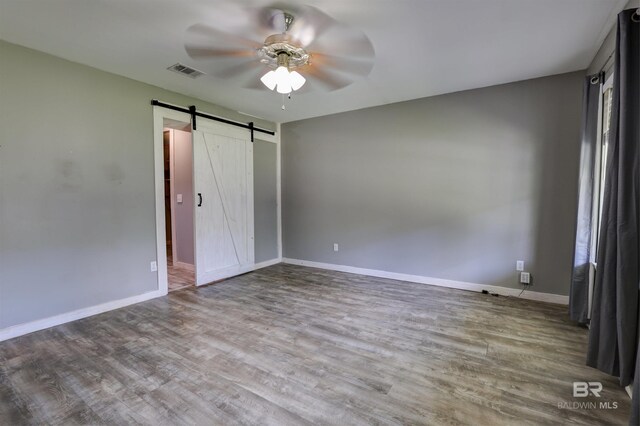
458, 186
77, 205
265, 200
183, 184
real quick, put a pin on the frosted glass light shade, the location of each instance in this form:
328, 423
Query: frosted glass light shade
282, 77
282, 80
284, 87
269, 80
296, 79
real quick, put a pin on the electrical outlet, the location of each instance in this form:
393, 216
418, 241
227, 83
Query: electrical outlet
525, 278
335, 247
520, 265
154, 266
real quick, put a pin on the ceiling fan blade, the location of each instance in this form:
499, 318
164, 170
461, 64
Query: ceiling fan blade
310, 24
238, 70
329, 80
269, 19
308, 21
205, 35
221, 54
359, 67
198, 52
344, 42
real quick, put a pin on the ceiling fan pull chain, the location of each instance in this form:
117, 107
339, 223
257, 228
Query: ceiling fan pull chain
283, 108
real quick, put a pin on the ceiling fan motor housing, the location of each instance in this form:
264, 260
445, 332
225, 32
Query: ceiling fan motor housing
279, 48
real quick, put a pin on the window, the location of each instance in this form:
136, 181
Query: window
604, 126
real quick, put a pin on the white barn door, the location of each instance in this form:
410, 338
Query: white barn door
223, 178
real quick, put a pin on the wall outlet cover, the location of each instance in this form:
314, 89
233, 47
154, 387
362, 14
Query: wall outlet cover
335, 247
520, 265
525, 278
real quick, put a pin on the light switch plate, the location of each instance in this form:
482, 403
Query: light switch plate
335, 247
179, 198
154, 266
520, 265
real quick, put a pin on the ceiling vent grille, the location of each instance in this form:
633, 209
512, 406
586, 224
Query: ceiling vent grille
185, 70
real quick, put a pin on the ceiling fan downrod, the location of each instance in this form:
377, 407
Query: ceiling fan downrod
288, 21
283, 59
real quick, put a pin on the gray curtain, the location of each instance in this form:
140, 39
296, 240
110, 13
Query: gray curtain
635, 404
613, 336
579, 294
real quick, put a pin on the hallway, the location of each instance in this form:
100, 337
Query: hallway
179, 277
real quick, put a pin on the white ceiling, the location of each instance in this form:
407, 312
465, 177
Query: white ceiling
423, 47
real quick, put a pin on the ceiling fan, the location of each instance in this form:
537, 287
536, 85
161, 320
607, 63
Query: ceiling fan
280, 47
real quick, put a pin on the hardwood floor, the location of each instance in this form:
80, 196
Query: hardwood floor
178, 277
289, 345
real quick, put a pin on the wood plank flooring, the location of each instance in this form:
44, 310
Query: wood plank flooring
289, 345
178, 277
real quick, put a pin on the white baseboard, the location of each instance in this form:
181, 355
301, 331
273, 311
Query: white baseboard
267, 263
30, 327
233, 271
461, 285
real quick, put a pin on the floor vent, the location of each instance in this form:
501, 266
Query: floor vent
185, 70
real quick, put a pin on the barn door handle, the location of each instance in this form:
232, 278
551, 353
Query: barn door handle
199, 199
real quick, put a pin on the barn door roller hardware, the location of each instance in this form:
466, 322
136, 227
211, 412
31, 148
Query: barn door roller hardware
194, 113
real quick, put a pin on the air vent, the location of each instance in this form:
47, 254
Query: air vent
185, 70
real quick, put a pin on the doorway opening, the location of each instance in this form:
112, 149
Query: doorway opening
178, 204
219, 196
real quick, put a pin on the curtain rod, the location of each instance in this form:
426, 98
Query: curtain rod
604, 66
192, 111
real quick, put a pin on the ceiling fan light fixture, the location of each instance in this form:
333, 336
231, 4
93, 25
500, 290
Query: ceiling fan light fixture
282, 74
297, 80
297, 33
269, 80
284, 80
